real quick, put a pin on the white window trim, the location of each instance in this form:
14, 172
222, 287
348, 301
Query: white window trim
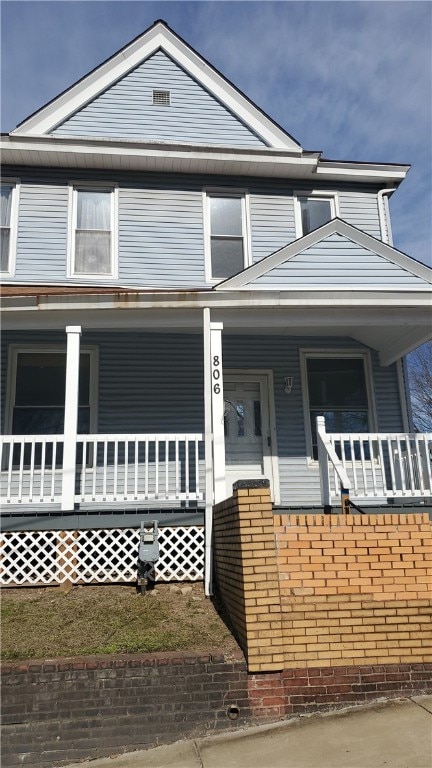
13, 225
16, 349
332, 196
243, 195
364, 355
74, 187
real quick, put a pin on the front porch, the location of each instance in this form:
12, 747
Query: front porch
159, 422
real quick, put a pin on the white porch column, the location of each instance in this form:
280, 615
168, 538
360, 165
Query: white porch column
219, 482
208, 531
70, 416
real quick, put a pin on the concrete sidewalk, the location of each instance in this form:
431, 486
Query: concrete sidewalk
396, 734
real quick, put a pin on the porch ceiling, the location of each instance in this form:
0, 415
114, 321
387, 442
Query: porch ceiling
391, 330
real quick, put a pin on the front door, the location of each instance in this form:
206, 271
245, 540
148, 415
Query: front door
247, 429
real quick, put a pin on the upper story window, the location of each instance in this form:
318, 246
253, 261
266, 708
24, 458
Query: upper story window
8, 222
227, 240
312, 211
93, 240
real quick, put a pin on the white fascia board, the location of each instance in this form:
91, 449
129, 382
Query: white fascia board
100, 146
159, 37
359, 171
335, 226
413, 304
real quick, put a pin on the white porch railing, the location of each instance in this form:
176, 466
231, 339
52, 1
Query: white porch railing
117, 468
110, 468
31, 468
374, 466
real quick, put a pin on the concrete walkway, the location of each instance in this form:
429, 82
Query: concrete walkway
397, 734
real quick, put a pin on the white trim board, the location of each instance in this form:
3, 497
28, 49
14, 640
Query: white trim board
335, 226
159, 36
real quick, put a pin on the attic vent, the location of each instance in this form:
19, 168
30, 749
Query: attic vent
161, 98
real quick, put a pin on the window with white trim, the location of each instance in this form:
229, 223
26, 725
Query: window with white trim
312, 211
227, 242
93, 231
8, 216
337, 388
36, 396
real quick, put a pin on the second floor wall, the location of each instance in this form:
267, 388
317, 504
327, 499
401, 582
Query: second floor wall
158, 231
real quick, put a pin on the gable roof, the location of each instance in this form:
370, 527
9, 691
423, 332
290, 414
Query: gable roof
158, 37
127, 110
337, 255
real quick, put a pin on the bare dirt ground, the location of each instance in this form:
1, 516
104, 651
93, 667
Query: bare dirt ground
103, 619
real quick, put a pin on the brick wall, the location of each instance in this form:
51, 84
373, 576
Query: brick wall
355, 589
321, 591
58, 712
247, 574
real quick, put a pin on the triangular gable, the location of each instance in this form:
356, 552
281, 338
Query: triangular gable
336, 255
126, 110
158, 37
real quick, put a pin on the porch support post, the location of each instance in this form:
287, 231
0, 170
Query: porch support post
323, 465
208, 531
217, 412
70, 416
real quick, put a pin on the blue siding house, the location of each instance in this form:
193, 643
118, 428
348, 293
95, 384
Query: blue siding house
190, 298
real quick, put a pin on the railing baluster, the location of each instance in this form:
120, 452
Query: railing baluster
157, 468
363, 466
32, 466
187, 464
166, 468
372, 463
53, 468
177, 469
412, 477
116, 439
146, 468
136, 469
401, 465
126, 463
105, 466
21, 469
382, 463
353, 462
197, 481
9, 481
392, 465
42, 471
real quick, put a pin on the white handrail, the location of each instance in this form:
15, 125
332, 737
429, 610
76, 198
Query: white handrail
327, 452
375, 466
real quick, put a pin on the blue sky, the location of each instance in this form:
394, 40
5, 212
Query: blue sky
352, 79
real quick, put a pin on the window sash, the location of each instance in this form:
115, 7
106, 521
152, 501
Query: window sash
93, 239
7, 193
312, 212
226, 228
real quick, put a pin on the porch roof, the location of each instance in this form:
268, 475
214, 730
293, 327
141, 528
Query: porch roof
393, 322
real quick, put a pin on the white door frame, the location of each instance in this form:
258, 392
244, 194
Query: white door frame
270, 458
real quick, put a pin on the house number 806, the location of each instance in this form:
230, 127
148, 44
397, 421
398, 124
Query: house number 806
216, 374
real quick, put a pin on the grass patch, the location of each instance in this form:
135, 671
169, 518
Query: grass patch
46, 623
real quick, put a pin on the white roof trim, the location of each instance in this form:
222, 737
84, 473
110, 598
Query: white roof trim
157, 37
335, 226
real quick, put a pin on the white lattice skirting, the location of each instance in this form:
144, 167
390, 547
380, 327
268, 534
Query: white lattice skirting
29, 558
